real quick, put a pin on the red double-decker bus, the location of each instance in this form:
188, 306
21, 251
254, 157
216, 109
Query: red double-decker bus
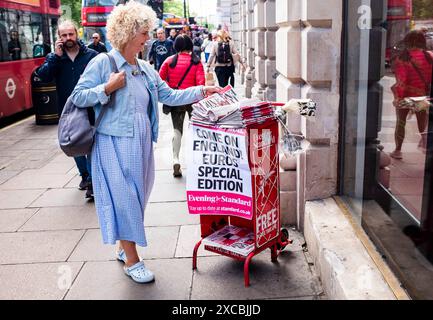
27, 33
94, 15
399, 18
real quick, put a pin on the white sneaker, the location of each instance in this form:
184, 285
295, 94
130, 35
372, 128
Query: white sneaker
139, 273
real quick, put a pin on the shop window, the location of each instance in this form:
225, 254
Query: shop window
386, 124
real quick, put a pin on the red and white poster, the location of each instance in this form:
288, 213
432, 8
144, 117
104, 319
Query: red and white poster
265, 169
218, 175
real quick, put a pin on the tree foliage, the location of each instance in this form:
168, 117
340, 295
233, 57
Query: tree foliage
175, 7
73, 8
423, 9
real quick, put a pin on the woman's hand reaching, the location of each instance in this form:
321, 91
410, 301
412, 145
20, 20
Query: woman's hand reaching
209, 90
115, 82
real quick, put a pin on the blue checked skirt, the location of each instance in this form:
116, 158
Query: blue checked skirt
123, 173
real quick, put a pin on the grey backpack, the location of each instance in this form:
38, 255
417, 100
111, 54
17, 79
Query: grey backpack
75, 133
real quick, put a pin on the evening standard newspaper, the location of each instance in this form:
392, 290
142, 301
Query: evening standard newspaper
233, 239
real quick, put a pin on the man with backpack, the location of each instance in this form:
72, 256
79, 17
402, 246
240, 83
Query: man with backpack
65, 65
222, 55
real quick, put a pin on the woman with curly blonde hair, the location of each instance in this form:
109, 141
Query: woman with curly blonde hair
122, 155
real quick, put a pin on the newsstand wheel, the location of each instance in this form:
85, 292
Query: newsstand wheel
284, 236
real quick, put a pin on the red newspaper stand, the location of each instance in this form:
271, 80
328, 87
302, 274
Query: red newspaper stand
265, 223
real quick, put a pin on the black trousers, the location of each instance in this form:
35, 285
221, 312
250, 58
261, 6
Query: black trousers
224, 74
178, 116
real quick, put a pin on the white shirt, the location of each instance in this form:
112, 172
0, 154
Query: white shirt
207, 45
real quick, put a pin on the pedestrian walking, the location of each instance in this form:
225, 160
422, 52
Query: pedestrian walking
429, 38
197, 43
222, 55
160, 50
207, 46
65, 65
181, 71
173, 35
412, 68
122, 156
96, 44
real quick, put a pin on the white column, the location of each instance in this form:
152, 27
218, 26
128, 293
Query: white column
250, 56
308, 46
264, 38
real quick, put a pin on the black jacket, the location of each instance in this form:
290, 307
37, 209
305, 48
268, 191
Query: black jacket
159, 51
65, 72
100, 47
15, 54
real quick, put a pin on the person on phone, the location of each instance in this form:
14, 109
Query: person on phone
123, 163
65, 65
180, 71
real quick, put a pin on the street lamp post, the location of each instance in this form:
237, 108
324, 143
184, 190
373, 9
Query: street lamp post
184, 9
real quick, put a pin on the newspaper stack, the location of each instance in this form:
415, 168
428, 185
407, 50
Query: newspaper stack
224, 109
232, 239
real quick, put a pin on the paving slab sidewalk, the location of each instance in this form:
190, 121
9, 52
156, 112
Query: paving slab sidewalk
52, 249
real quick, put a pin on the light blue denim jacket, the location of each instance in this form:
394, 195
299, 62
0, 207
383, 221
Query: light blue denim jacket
118, 120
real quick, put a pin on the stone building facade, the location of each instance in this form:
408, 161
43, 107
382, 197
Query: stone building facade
338, 188
292, 50
223, 13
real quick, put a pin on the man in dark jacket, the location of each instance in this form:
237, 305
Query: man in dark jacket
14, 46
197, 42
97, 45
173, 35
65, 65
160, 50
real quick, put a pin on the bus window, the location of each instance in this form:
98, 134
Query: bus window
20, 32
13, 36
10, 47
30, 27
53, 33
4, 53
